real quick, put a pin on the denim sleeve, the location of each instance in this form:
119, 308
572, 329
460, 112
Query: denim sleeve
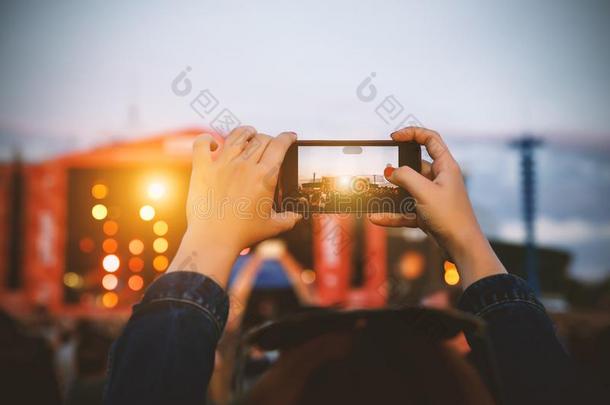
165, 354
533, 366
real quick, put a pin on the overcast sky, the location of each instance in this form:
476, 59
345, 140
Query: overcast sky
75, 74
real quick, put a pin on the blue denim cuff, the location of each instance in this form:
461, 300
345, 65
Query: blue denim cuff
189, 288
494, 292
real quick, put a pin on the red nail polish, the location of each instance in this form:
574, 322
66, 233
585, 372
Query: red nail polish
387, 172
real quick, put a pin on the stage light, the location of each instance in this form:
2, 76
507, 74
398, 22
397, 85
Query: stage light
109, 281
99, 191
156, 190
160, 228
452, 277
135, 283
160, 263
343, 182
136, 246
73, 280
411, 264
86, 245
136, 264
99, 211
111, 263
110, 228
271, 249
110, 299
147, 212
308, 276
160, 245
110, 246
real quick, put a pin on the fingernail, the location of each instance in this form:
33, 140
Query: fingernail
387, 172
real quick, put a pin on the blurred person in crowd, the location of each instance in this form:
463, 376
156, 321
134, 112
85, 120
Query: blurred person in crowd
91, 356
246, 311
26, 366
167, 349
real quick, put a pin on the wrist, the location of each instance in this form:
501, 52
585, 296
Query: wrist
475, 258
208, 256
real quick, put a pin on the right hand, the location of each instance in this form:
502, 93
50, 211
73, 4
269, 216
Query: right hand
443, 208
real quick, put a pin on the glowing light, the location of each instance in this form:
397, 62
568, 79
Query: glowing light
110, 246
99, 211
452, 277
244, 251
308, 276
411, 264
73, 280
86, 245
135, 283
147, 212
136, 264
110, 281
343, 182
110, 299
111, 263
99, 191
156, 190
136, 246
160, 228
160, 263
449, 266
160, 245
110, 228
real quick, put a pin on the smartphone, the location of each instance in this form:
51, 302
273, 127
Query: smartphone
344, 177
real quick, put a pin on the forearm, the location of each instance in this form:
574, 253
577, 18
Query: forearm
533, 366
166, 351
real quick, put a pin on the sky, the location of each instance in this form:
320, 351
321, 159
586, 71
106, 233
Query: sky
77, 74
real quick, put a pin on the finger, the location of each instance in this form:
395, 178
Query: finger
431, 140
203, 146
410, 180
393, 220
236, 141
284, 221
426, 170
256, 147
276, 150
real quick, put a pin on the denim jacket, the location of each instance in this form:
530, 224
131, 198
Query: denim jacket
165, 354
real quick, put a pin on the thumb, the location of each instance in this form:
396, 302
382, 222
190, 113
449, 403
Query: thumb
284, 221
410, 180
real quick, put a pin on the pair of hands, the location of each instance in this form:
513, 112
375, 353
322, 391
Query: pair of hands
230, 202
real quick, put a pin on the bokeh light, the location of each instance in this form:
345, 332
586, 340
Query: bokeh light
136, 246
135, 282
449, 266
110, 299
160, 263
110, 245
99, 191
452, 277
110, 282
156, 190
308, 276
73, 280
86, 245
99, 211
411, 264
136, 264
160, 228
111, 263
110, 228
147, 212
160, 245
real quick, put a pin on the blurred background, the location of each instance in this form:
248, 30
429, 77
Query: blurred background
100, 102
